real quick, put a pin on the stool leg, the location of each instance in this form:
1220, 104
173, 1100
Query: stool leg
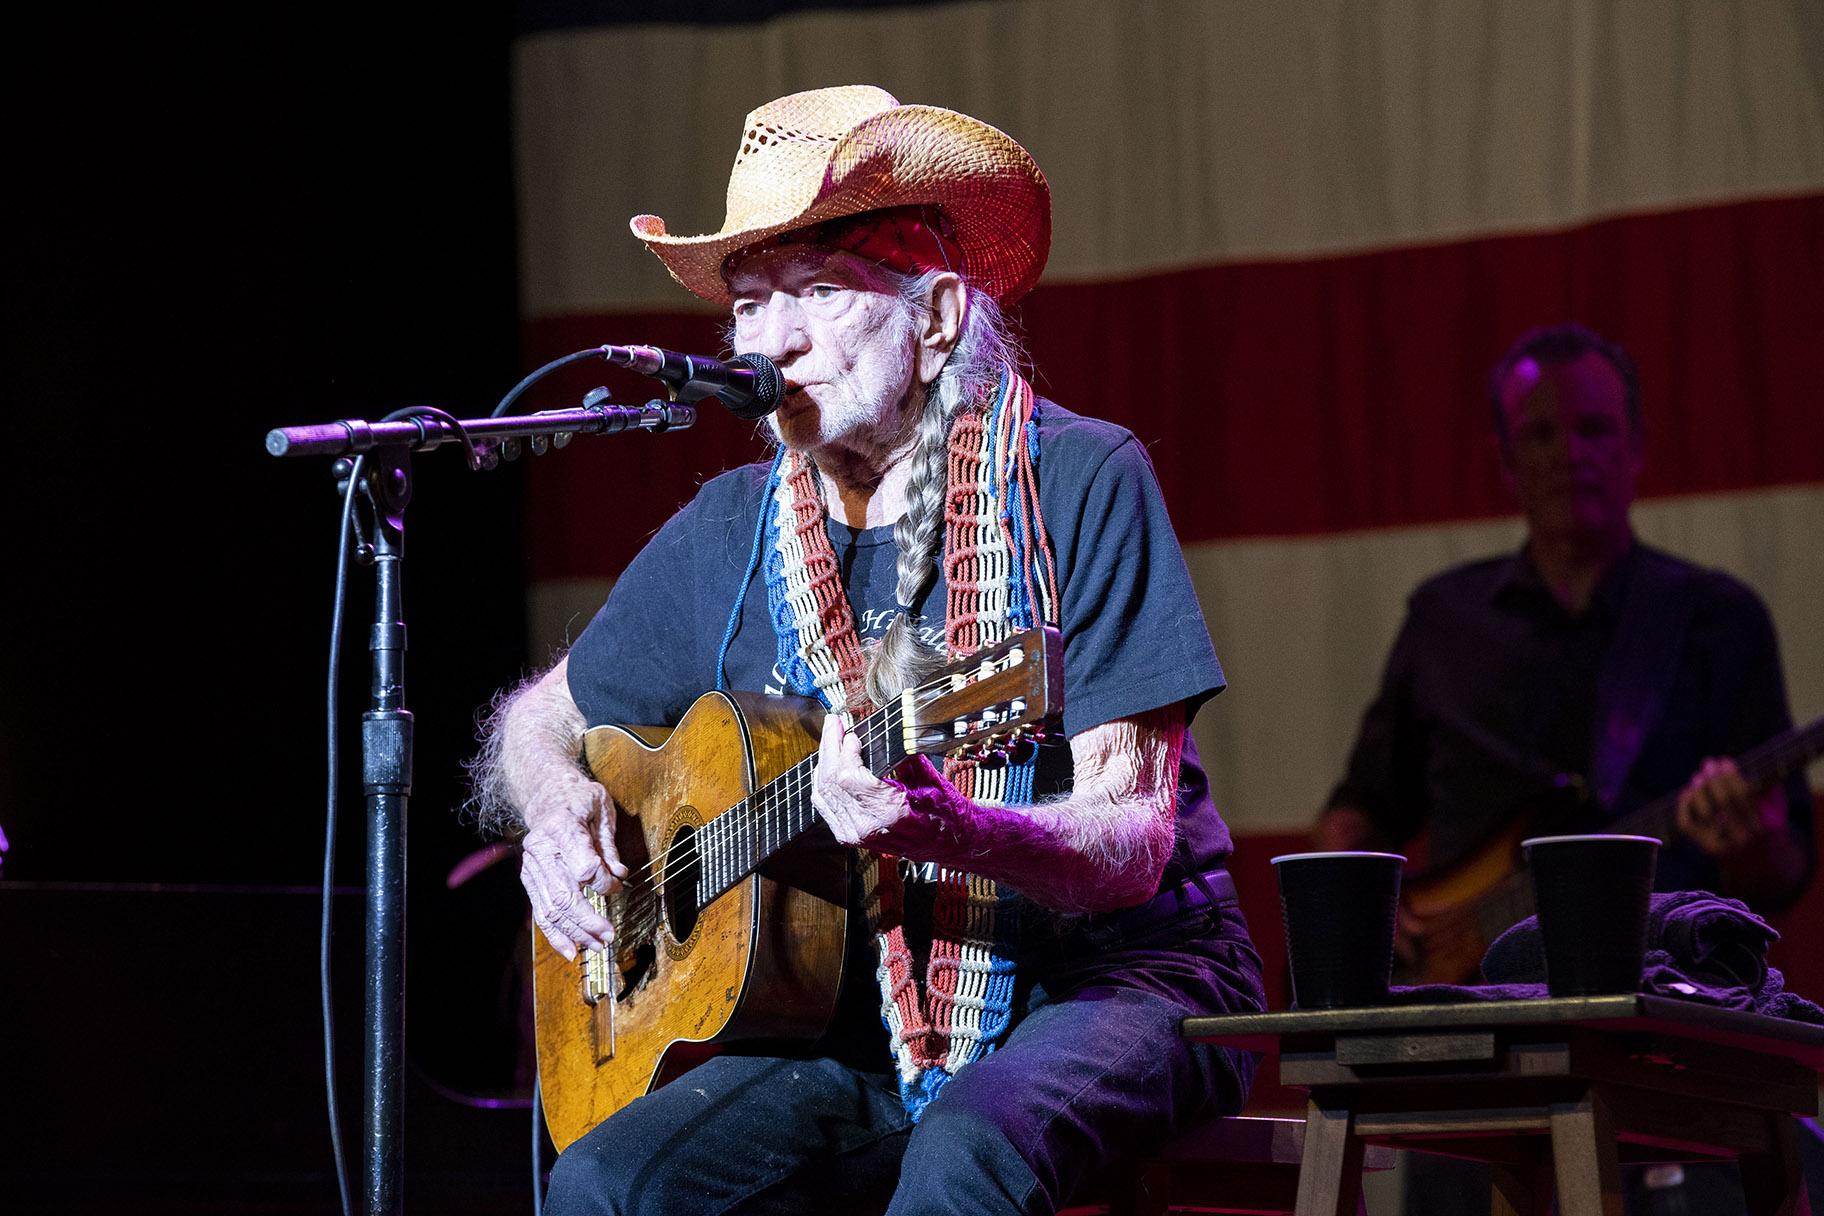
1521, 1191
1584, 1158
1330, 1170
1771, 1181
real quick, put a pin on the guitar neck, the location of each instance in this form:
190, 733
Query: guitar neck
995, 697
1775, 760
748, 834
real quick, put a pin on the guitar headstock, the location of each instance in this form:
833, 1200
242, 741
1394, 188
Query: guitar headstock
997, 698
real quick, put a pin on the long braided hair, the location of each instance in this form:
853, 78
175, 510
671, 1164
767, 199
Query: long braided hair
985, 347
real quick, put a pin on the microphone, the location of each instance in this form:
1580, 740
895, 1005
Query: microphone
749, 385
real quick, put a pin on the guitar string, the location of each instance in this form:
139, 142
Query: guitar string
681, 851
1789, 747
643, 908
778, 806
643, 902
779, 797
1765, 763
873, 729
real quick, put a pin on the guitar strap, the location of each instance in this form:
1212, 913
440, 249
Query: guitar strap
1638, 667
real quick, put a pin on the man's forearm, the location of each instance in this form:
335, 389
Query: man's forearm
1100, 848
532, 739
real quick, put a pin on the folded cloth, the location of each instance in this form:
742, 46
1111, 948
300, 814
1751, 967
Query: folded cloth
1462, 994
1700, 947
1718, 940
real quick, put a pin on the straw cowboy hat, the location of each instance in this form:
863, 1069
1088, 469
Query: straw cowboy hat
818, 156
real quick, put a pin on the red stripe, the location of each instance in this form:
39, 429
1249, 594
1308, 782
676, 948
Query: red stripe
1308, 397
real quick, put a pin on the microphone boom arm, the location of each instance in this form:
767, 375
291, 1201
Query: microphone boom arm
352, 436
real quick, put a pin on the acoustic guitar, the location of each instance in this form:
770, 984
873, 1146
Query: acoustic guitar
1453, 916
731, 923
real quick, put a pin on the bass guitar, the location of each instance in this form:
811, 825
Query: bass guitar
1449, 919
732, 920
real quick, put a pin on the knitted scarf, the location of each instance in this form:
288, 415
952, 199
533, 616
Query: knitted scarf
1001, 579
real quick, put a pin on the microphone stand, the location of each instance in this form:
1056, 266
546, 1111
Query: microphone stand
382, 475
386, 777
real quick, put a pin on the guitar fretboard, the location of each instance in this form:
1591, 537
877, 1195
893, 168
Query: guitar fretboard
1774, 760
1511, 900
744, 837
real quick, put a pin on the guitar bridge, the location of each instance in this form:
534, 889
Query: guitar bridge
618, 972
598, 968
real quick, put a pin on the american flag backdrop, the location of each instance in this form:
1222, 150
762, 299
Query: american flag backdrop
1290, 240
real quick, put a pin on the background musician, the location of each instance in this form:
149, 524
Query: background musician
1590, 665
1517, 675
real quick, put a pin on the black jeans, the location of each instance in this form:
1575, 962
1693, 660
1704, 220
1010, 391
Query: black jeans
1093, 1071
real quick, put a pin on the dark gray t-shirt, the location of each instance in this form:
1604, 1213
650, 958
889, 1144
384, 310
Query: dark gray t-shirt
1134, 635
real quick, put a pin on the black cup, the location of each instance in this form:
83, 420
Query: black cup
1339, 910
1592, 893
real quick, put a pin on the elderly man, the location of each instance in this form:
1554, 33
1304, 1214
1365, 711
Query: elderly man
921, 497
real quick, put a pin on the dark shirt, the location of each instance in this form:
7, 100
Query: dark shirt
1134, 635
1489, 707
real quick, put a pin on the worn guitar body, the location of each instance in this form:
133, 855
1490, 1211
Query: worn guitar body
761, 959
732, 920
1453, 916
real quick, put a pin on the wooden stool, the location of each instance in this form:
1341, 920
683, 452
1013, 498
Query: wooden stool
1553, 1093
1238, 1164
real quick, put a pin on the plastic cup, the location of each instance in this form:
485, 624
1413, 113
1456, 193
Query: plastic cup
1592, 896
1339, 912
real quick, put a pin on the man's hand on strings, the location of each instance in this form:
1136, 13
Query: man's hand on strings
1723, 815
569, 845
1747, 831
853, 801
861, 809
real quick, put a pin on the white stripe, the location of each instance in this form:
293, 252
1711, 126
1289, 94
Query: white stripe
1178, 133
1303, 628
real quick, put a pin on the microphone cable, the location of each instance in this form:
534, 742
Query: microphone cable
334, 766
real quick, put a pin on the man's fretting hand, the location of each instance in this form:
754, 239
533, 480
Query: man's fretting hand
1721, 813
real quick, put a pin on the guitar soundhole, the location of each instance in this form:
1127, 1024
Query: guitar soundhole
681, 884
635, 961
